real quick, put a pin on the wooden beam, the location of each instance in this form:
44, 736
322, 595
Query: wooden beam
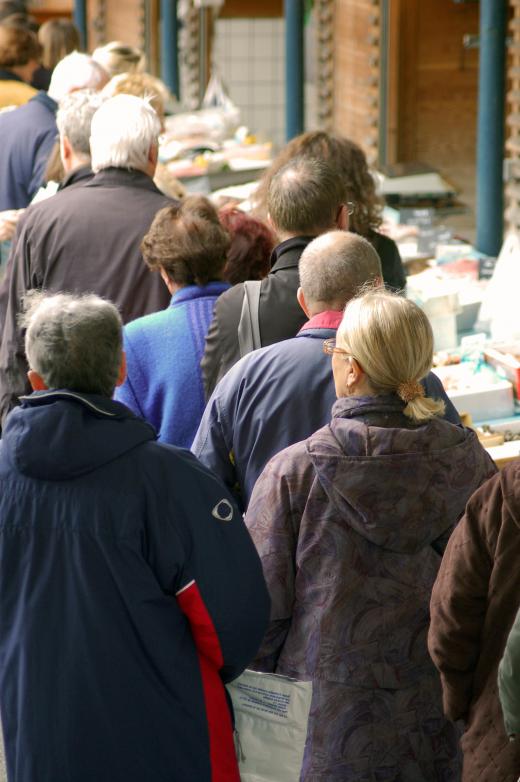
252, 8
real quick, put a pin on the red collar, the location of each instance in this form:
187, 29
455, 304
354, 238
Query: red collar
330, 319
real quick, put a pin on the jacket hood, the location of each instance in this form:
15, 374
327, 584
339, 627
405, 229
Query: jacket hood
510, 486
59, 435
399, 485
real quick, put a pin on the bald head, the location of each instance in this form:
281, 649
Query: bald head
334, 267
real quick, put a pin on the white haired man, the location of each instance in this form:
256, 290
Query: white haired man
281, 394
113, 548
89, 240
28, 133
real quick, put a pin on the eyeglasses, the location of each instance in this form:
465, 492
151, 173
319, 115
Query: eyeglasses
351, 207
329, 347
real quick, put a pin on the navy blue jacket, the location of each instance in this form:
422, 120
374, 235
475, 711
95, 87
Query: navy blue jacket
273, 398
129, 589
27, 136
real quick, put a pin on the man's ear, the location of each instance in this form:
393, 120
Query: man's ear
301, 301
342, 218
121, 377
37, 382
65, 150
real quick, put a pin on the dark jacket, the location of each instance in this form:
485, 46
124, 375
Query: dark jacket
129, 589
83, 239
280, 315
27, 136
474, 604
273, 398
394, 275
350, 526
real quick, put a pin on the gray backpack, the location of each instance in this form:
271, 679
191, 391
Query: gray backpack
249, 324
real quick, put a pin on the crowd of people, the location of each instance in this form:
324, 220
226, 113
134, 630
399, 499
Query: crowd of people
223, 448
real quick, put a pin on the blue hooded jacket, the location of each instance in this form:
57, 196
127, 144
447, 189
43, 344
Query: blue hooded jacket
129, 590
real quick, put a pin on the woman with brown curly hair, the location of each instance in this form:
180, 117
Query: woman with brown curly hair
349, 159
187, 246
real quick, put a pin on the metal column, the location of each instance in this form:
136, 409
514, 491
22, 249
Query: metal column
294, 76
490, 131
80, 20
169, 46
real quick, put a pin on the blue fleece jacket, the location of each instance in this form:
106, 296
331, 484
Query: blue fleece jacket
163, 354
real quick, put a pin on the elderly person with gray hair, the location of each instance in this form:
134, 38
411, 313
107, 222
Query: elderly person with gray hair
28, 133
113, 547
73, 121
89, 240
282, 393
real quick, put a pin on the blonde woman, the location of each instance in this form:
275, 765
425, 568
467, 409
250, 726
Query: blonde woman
351, 525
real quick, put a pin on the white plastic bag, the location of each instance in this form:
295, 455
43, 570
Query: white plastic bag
500, 307
271, 718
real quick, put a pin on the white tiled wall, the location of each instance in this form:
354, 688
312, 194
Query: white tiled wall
250, 56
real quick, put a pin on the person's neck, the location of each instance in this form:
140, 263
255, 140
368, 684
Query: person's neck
22, 71
74, 162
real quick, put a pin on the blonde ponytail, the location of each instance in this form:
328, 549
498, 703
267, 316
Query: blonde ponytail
392, 340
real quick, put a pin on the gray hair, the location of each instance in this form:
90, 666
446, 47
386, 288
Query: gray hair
73, 342
336, 265
123, 130
76, 72
304, 197
74, 118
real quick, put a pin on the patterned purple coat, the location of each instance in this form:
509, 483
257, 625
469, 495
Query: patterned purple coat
350, 525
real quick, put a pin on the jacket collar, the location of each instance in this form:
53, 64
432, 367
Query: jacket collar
46, 100
287, 254
6, 75
80, 174
353, 406
330, 319
95, 403
121, 177
190, 292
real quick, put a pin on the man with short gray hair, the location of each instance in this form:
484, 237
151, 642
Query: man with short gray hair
29, 132
130, 590
88, 239
281, 394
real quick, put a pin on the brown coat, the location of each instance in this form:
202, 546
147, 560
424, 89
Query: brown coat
474, 603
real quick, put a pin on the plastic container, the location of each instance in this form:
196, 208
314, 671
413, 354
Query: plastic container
502, 359
484, 401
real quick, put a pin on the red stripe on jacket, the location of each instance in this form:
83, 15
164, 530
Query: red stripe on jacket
224, 767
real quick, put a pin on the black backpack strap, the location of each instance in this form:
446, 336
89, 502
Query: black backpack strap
249, 324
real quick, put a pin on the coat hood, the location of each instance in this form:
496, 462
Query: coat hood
399, 485
59, 435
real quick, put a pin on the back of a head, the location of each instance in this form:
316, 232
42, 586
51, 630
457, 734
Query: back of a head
123, 131
335, 266
18, 46
252, 243
74, 342
141, 84
76, 72
187, 241
348, 160
74, 119
305, 197
392, 340
117, 57
58, 38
